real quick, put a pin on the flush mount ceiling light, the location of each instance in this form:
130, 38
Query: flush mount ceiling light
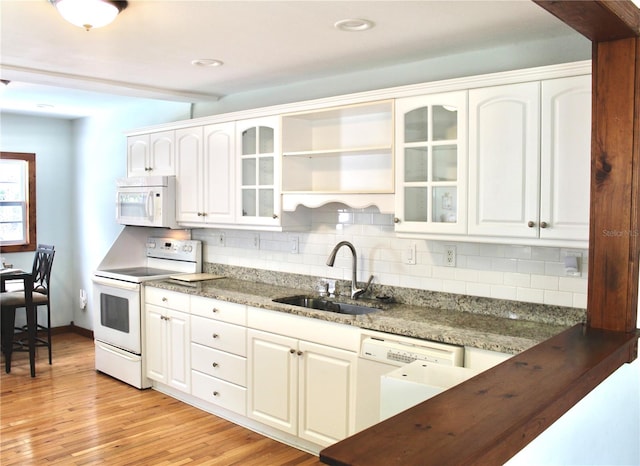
354, 25
207, 62
89, 14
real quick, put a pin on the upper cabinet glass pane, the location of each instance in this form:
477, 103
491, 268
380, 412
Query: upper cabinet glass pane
445, 122
249, 141
445, 163
249, 172
445, 205
416, 164
416, 125
265, 173
265, 140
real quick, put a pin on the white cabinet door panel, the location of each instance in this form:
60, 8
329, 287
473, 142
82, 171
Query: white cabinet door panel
189, 181
273, 380
219, 186
566, 158
327, 393
504, 175
178, 350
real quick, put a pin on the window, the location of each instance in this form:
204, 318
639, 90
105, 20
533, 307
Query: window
17, 202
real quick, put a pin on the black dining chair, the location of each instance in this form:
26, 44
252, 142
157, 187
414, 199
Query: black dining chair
12, 300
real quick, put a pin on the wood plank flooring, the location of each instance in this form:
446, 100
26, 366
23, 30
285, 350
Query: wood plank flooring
71, 415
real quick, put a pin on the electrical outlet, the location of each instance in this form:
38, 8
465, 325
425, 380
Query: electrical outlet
294, 245
220, 240
411, 254
449, 256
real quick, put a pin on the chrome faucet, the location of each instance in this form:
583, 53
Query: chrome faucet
355, 291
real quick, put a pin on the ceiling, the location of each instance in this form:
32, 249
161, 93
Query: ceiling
57, 69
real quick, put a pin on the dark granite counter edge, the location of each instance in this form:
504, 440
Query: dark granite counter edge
490, 332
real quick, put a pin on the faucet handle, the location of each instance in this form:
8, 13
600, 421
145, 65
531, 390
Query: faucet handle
366, 287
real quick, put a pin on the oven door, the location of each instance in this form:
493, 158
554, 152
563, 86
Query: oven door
117, 315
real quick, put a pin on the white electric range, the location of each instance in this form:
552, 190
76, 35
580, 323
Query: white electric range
117, 303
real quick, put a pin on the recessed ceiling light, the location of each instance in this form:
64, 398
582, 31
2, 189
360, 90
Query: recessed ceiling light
354, 24
209, 62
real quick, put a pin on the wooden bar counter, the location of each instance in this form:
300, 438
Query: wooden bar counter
489, 418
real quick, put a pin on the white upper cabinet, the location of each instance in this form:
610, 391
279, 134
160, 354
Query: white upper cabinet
565, 158
338, 154
431, 163
151, 154
529, 160
504, 163
258, 171
189, 175
205, 174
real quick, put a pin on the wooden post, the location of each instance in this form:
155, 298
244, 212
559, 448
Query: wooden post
614, 27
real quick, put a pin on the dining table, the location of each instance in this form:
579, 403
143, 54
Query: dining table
8, 317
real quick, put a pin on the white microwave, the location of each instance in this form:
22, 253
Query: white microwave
148, 201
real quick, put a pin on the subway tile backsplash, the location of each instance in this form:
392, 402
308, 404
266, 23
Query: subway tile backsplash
522, 273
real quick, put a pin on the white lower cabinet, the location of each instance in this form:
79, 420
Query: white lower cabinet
168, 346
218, 353
303, 388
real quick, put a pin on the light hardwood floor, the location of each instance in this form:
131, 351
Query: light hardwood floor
71, 415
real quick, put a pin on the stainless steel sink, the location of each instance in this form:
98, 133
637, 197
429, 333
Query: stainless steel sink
325, 305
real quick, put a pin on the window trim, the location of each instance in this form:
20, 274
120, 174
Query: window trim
32, 239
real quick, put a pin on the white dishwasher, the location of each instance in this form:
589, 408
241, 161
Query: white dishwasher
416, 382
382, 353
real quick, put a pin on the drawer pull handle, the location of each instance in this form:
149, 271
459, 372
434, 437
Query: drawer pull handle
215, 335
215, 364
216, 394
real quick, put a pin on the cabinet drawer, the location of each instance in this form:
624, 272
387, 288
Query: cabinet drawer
219, 392
225, 366
219, 310
219, 335
164, 298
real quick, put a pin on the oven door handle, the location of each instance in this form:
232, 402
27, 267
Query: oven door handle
116, 283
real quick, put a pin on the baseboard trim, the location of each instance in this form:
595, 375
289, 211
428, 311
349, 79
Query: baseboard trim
71, 328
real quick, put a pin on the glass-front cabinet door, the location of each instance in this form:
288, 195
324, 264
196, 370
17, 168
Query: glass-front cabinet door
431, 163
258, 148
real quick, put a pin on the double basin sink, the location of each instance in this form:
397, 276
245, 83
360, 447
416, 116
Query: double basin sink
322, 304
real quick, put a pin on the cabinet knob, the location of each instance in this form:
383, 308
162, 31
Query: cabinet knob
214, 310
215, 364
164, 300
299, 353
544, 224
292, 351
199, 214
531, 224
274, 216
396, 220
216, 393
215, 335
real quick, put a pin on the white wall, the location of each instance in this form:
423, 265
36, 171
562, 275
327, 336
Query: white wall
547, 51
601, 429
100, 158
52, 142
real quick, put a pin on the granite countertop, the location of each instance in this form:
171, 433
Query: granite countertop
490, 332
